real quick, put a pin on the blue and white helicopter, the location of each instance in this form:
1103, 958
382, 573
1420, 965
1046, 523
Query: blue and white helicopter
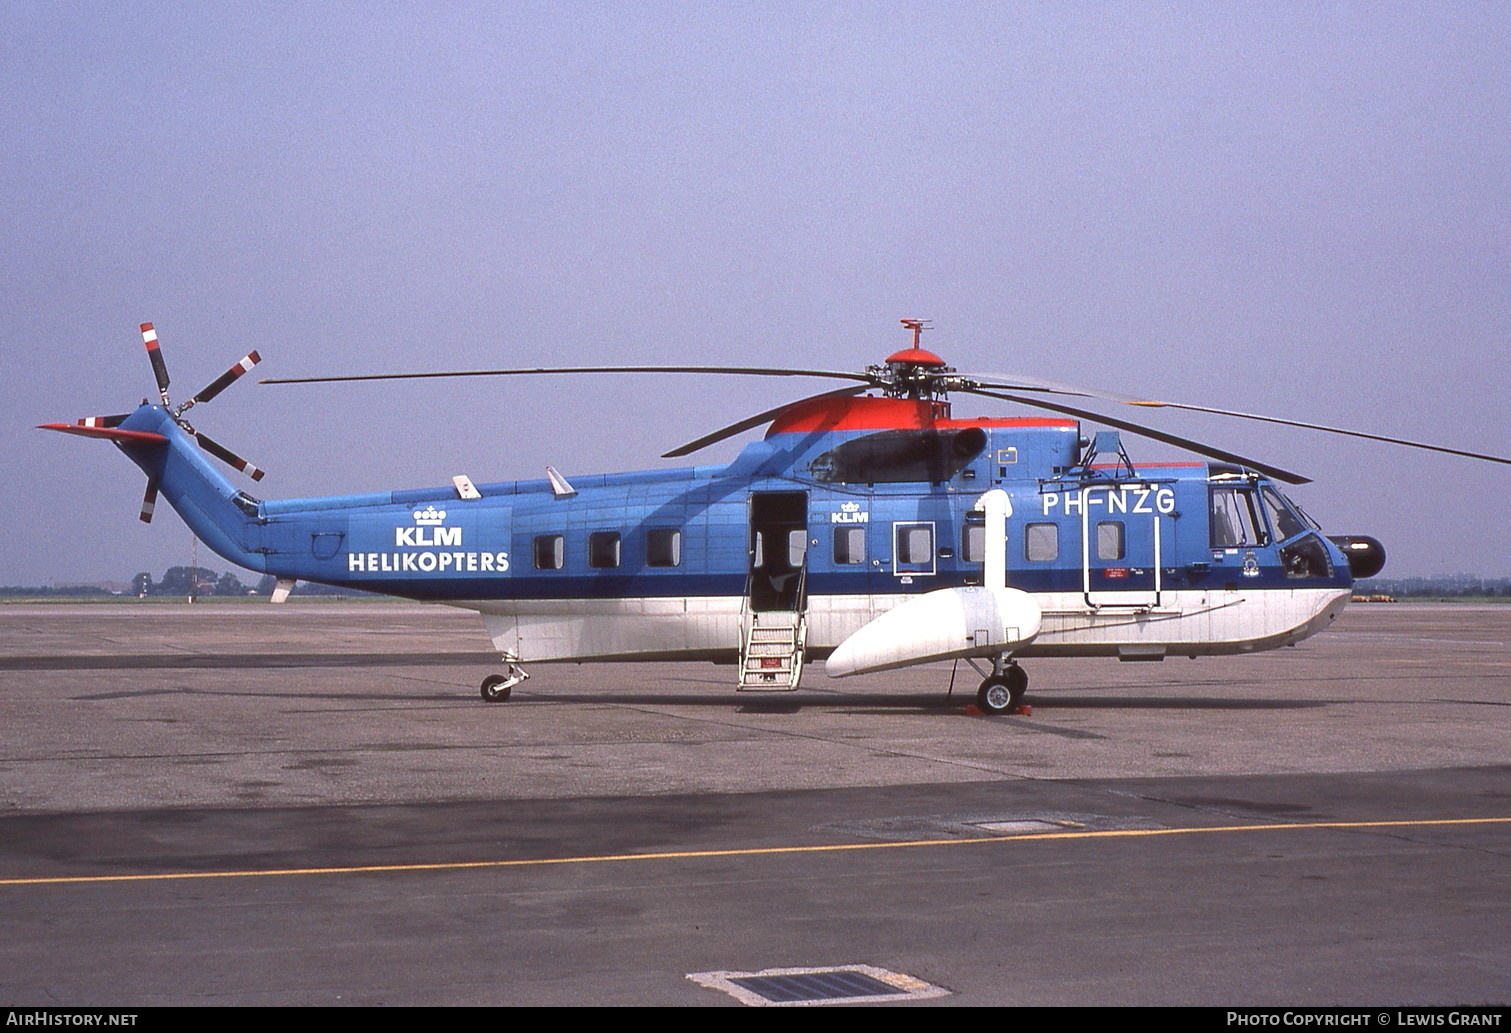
871, 528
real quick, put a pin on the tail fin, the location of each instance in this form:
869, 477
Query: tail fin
176, 466
159, 440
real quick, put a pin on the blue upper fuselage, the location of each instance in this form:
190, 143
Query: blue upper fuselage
870, 496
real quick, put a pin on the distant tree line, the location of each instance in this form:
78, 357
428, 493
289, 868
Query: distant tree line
187, 581
1455, 586
266, 585
176, 583
47, 591
179, 581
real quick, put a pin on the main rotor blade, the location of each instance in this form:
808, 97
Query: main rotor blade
225, 455
756, 420
228, 378
155, 356
1200, 448
1019, 382
1014, 382
742, 371
1322, 427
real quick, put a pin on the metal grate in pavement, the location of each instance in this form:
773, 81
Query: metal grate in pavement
844, 984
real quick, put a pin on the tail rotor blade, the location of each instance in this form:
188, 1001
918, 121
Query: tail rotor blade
159, 367
228, 378
149, 502
225, 455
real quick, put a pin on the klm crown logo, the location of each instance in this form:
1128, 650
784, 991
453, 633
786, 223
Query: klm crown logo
428, 532
849, 513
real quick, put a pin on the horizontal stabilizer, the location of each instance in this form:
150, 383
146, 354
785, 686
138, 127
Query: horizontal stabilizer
139, 437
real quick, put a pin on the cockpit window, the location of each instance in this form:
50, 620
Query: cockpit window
1283, 519
1306, 558
1305, 516
1235, 521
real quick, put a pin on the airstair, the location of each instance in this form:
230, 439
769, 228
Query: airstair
773, 621
771, 654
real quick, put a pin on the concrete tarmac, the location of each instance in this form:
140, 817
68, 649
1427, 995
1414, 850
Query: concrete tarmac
310, 804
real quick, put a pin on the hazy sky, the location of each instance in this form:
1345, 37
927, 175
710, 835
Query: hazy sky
1292, 208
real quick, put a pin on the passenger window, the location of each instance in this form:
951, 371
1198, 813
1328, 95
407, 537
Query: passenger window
663, 547
973, 543
603, 549
797, 547
849, 545
1041, 542
550, 552
1110, 544
915, 544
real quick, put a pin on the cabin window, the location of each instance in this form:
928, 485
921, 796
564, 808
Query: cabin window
550, 551
1110, 545
1041, 542
797, 547
915, 543
603, 549
796, 550
1235, 522
849, 545
663, 547
973, 543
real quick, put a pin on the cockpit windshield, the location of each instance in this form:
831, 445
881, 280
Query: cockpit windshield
1283, 516
1303, 513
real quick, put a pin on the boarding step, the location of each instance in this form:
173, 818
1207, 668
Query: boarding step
771, 658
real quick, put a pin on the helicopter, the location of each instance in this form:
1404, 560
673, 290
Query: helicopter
870, 528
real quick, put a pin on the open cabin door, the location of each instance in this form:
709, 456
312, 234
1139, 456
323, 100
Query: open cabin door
774, 619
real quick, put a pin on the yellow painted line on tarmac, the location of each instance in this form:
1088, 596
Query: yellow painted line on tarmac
682, 855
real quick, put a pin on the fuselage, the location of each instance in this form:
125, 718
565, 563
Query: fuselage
848, 508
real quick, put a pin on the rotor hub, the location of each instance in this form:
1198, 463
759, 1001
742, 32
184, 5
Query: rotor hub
913, 372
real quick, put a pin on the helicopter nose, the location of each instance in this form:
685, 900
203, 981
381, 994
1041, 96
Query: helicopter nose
1366, 556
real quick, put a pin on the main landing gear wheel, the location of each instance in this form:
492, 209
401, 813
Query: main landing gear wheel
496, 687
1003, 693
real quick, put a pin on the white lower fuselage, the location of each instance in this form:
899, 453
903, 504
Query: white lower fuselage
1183, 623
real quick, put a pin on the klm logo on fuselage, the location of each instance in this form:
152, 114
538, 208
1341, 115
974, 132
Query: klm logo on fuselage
850, 513
431, 537
429, 532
